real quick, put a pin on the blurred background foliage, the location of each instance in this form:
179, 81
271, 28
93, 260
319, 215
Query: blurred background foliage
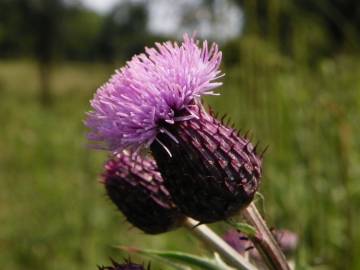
292, 78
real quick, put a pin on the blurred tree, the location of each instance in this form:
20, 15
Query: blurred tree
123, 32
306, 30
32, 27
80, 33
341, 18
11, 25
42, 21
45, 29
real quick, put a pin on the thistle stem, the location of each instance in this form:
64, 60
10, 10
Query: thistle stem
231, 256
264, 240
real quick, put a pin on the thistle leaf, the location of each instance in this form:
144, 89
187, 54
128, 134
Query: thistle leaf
245, 228
180, 257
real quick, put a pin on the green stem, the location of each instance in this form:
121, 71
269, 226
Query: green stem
264, 240
231, 256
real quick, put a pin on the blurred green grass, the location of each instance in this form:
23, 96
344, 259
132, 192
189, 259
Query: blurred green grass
53, 212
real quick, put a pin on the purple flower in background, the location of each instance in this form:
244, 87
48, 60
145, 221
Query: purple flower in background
287, 240
237, 241
128, 111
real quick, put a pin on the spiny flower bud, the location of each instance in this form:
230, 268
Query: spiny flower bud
210, 172
136, 188
127, 265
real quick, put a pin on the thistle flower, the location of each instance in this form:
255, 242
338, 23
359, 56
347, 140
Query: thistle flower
136, 188
154, 101
129, 109
127, 265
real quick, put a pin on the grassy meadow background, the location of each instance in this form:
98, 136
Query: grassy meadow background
54, 213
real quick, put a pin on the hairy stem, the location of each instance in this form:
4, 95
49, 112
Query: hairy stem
205, 234
264, 241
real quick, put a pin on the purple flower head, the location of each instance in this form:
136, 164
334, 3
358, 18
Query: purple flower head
151, 89
209, 170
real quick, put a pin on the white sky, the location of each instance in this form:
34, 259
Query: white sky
101, 6
165, 17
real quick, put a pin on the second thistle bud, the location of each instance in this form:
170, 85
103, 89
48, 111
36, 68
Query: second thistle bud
210, 171
136, 188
